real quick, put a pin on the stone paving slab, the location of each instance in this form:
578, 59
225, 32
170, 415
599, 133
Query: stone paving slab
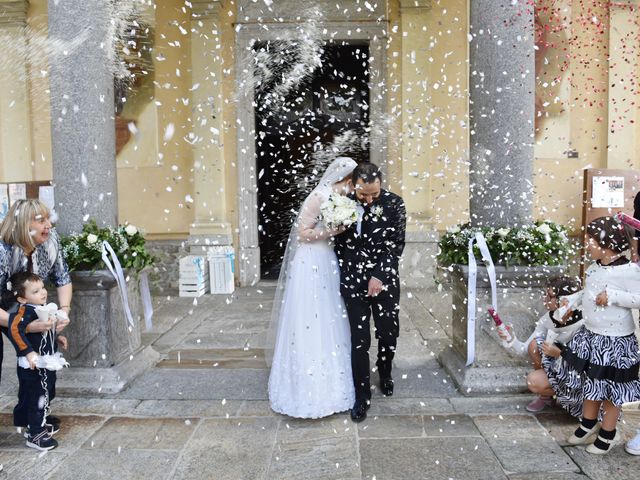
74, 431
214, 357
428, 459
229, 450
315, 449
176, 384
121, 465
410, 406
520, 442
122, 433
29, 464
87, 406
397, 426
450, 426
256, 408
488, 405
188, 408
615, 465
545, 476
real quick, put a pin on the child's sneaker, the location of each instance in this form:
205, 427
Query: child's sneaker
539, 404
633, 445
42, 441
52, 429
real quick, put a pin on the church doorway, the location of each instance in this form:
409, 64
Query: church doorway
295, 133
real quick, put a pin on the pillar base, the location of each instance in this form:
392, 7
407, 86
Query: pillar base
478, 379
417, 266
81, 381
249, 260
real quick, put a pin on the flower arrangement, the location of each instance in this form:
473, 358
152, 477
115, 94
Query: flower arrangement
338, 210
542, 243
83, 251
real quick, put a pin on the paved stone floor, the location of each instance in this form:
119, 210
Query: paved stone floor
202, 412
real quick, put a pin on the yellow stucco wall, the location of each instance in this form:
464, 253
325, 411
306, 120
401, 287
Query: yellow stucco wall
558, 180
153, 197
428, 60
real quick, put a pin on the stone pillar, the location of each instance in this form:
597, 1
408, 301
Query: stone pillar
502, 89
417, 268
15, 131
82, 114
211, 226
501, 109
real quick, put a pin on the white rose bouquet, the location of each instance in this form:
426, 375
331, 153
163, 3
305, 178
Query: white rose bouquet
338, 211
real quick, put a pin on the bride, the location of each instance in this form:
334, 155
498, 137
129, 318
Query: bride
311, 365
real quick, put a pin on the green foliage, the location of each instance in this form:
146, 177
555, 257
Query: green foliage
83, 251
543, 243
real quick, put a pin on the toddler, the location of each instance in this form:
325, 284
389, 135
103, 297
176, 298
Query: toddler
37, 361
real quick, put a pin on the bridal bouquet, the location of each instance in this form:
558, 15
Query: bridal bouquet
338, 211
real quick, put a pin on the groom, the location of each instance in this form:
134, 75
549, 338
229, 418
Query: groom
368, 253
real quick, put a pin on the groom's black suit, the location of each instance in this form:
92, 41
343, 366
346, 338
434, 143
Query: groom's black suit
375, 252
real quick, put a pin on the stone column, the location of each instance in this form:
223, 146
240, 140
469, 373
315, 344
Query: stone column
211, 226
15, 131
421, 239
82, 114
502, 89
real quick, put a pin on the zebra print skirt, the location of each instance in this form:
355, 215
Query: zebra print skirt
606, 368
566, 384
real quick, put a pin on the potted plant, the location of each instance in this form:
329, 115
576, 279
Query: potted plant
525, 257
100, 335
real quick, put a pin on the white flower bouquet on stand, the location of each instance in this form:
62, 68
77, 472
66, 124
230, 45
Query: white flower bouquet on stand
338, 211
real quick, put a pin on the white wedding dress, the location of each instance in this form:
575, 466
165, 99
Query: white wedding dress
311, 367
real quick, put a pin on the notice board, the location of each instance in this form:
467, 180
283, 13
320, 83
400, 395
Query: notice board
10, 192
607, 191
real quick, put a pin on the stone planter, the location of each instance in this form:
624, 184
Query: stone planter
105, 352
520, 292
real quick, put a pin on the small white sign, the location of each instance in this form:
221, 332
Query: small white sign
45, 194
4, 201
607, 192
17, 191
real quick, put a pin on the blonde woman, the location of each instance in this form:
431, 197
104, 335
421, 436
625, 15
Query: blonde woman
29, 243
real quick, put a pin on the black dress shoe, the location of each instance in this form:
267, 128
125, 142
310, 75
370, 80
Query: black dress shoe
359, 410
386, 386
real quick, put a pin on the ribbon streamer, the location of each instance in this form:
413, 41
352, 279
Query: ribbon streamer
145, 296
471, 290
118, 274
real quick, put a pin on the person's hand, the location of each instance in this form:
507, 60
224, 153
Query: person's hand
40, 326
503, 335
64, 343
32, 358
550, 350
602, 300
375, 287
635, 258
63, 321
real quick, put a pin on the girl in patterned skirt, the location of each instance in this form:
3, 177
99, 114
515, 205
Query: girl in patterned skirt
543, 351
604, 355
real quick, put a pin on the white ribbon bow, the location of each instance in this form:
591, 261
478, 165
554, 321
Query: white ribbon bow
471, 290
118, 274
